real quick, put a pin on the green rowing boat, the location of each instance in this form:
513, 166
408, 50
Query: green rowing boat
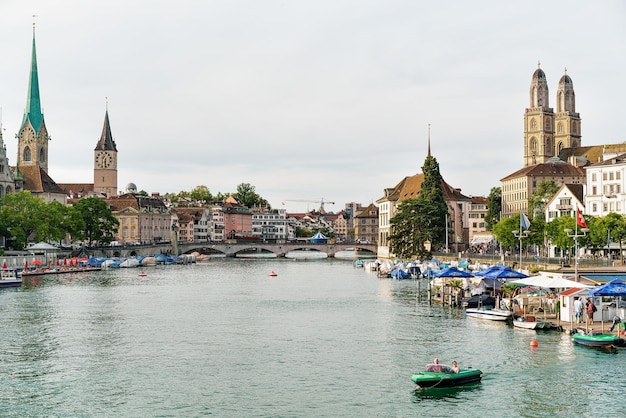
438, 375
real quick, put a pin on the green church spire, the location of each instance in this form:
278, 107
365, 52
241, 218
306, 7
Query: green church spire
33, 101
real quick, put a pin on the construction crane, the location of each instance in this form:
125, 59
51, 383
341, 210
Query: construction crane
321, 201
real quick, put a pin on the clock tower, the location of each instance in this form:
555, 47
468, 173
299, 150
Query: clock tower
105, 162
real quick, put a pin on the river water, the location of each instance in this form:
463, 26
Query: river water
322, 338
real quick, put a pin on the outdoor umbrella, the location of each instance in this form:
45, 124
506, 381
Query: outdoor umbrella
37, 262
495, 267
505, 273
4, 265
549, 283
453, 272
615, 287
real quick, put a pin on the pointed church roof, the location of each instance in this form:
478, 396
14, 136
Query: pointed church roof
32, 112
36, 180
106, 142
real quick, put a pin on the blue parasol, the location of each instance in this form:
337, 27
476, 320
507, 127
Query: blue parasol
615, 287
505, 273
453, 272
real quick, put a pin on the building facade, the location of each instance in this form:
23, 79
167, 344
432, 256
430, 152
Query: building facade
366, 225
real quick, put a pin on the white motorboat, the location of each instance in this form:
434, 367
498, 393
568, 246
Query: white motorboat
489, 313
530, 322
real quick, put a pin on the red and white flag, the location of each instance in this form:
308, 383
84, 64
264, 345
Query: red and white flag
580, 220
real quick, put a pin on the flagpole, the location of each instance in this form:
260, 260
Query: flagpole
521, 234
576, 235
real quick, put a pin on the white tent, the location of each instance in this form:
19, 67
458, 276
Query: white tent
550, 282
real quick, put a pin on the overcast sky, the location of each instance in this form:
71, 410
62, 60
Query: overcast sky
305, 99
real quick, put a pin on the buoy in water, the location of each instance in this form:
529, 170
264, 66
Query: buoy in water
272, 274
534, 343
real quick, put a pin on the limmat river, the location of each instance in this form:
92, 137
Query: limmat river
321, 339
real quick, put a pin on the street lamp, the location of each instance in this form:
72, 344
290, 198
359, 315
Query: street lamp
574, 234
520, 235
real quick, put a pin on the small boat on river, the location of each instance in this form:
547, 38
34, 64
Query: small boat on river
440, 376
530, 322
489, 313
596, 339
10, 278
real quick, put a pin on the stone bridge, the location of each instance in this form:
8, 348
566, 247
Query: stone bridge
232, 249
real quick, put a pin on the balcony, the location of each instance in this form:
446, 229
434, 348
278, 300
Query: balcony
563, 207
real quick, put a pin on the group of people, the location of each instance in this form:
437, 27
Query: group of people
580, 307
453, 369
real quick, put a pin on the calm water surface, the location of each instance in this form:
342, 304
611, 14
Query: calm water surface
320, 339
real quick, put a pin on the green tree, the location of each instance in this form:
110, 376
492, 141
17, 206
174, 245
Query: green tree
99, 222
421, 219
540, 197
246, 194
201, 194
21, 217
494, 208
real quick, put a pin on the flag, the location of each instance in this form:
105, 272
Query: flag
523, 221
580, 220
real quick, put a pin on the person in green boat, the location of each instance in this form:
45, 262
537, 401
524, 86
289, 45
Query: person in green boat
455, 367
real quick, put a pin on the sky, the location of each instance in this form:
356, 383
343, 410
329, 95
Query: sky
305, 100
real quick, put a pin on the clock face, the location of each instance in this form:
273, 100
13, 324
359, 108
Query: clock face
104, 160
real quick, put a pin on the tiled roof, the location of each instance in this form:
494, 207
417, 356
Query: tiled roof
410, 187
38, 181
72, 189
552, 168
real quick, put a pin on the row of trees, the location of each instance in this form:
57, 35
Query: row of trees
246, 194
602, 231
25, 218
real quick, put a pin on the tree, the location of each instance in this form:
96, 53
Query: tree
538, 199
404, 238
21, 217
421, 219
494, 208
247, 195
201, 194
99, 223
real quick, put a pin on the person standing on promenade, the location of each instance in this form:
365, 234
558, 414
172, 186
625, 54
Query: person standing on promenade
591, 308
578, 309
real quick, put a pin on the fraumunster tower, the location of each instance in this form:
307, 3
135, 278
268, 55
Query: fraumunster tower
105, 162
32, 139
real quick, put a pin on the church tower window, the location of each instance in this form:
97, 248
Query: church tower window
27, 154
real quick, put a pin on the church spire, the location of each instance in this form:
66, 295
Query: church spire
429, 139
106, 142
33, 101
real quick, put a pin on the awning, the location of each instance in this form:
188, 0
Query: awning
481, 240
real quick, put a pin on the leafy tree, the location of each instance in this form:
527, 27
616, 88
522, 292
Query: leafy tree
421, 219
540, 197
201, 193
303, 232
503, 231
404, 240
247, 195
21, 218
616, 230
99, 223
494, 207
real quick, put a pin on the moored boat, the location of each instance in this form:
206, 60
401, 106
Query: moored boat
530, 322
438, 375
596, 339
10, 278
492, 314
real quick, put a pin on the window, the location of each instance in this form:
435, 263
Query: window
593, 177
